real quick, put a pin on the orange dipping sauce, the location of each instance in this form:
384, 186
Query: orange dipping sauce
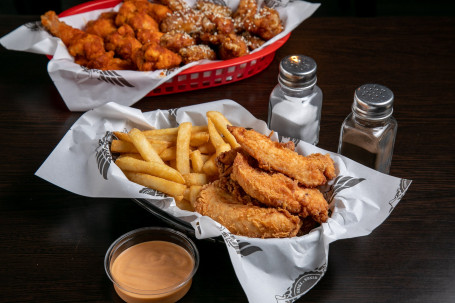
152, 271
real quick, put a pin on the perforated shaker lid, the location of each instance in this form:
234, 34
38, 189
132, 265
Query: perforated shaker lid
297, 71
373, 101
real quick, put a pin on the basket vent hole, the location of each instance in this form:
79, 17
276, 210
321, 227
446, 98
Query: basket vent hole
169, 88
207, 74
218, 80
194, 84
253, 62
182, 78
231, 69
206, 83
157, 90
229, 78
194, 76
243, 65
182, 87
239, 76
218, 72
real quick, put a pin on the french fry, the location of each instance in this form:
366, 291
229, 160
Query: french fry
158, 145
215, 137
205, 157
168, 187
143, 146
182, 156
199, 138
135, 156
151, 168
197, 162
207, 148
222, 148
173, 131
184, 204
119, 146
169, 153
193, 193
195, 179
209, 167
221, 124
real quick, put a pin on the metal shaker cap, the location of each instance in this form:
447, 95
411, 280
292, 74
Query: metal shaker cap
297, 71
373, 102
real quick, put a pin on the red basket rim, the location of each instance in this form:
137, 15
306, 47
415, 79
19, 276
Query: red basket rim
102, 4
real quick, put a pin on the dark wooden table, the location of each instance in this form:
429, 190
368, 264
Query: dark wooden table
53, 242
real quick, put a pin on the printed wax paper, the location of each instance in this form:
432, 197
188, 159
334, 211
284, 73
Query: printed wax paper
269, 270
83, 89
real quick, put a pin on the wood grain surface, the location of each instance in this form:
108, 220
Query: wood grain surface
53, 241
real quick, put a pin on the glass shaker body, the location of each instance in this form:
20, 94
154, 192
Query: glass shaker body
368, 133
296, 113
367, 142
296, 101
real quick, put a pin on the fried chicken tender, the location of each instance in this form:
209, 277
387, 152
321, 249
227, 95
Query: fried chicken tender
278, 190
175, 40
245, 220
87, 49
197, 52
311, 171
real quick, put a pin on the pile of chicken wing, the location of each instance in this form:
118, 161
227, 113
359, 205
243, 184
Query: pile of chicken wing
149, 36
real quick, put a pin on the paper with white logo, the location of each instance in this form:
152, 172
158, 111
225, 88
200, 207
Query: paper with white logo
269, 270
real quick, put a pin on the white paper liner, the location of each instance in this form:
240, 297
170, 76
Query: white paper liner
269, 270
83, 89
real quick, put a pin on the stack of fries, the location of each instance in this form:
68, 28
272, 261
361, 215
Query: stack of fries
176, 161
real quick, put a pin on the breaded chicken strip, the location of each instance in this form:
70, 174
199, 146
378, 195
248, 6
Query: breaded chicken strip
245, 220
278, 190
310, 171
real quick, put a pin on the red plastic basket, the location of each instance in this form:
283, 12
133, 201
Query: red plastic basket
204, 75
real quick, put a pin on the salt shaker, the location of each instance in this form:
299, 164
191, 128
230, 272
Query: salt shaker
368, 132
295, 102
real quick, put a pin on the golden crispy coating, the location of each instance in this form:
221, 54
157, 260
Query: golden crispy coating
278, 190
153, 56
245, 220
310, 171
197, 52
176, 40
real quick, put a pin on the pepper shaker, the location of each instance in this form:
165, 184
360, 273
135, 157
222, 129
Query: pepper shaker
368, 132
295, 102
